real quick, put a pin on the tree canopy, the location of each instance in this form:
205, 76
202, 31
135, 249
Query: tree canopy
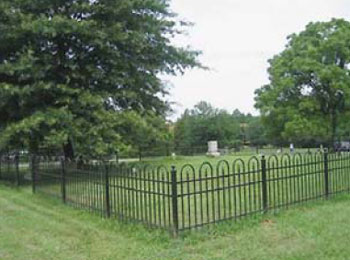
74, 72
309, 89
204, 123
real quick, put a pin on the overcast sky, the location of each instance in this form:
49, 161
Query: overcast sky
237, 38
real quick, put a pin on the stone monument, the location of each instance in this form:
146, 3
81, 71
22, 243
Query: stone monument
213, 149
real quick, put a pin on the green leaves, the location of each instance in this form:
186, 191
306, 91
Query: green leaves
204, 123
69, 70
309, 86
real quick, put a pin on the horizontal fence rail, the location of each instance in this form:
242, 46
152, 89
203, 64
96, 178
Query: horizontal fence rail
186, 197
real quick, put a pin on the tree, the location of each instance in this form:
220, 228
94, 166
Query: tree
309, 87
144, 132
71, 71
256, 131
203, 123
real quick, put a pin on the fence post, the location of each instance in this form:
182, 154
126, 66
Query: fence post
63, 179
108, 205
33, 173
326, 173
264, 184
174, 201
18, 182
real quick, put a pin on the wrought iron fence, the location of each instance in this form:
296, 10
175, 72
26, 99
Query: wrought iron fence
132, 193
234, 190
186, 197
14, 169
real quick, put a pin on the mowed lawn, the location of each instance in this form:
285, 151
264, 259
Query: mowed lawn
35, 227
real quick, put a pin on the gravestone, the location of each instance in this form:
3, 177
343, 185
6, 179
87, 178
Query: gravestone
213, 149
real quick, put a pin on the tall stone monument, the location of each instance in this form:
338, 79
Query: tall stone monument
213, 149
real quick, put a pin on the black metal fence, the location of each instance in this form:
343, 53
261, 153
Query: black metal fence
131, 193
14, 169
180, 198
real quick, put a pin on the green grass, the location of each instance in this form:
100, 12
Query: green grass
248, 151
197, 160
35, 227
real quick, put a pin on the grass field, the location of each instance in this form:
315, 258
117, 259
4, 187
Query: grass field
35, 227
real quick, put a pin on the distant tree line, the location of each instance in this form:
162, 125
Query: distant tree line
204, 122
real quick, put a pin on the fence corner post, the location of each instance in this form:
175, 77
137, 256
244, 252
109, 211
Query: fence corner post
264, 184
175, 227
33, 159
63, 179
326, 173
107, 200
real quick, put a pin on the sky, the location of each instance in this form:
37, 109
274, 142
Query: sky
237, 37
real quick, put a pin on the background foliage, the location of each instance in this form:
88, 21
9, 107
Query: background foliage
78, 74
307, 98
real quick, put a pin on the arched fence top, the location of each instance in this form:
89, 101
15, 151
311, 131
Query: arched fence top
205, 167
162, 169
187, 169
253, 163
238, 165
297, 158
223, 165
272, 161
285, 159
313, 157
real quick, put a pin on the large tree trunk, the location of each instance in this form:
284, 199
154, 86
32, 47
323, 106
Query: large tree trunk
68, 150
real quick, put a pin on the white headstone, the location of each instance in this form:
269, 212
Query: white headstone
291, 147
213, 149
